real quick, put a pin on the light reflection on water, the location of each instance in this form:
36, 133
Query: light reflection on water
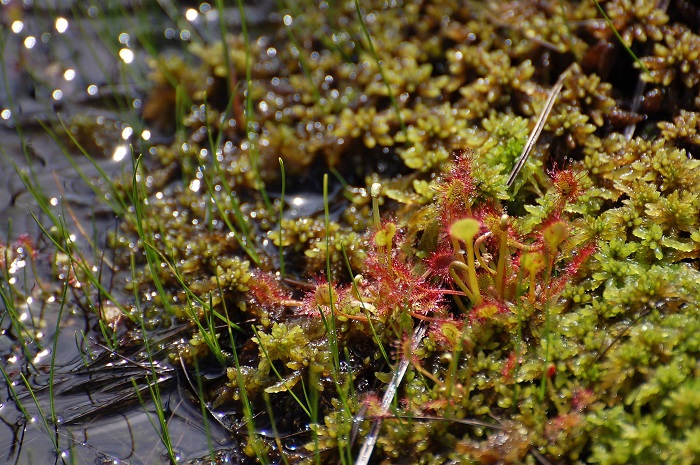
61, 25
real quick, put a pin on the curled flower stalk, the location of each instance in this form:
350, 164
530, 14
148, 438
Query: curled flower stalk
464, 231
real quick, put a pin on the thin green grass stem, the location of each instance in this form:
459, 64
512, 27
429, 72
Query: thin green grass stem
51, 432
245, 401
281, 210
547, 346
315, 418
251, 135
13, 394
243, 242
332, 335
54, 349
162, 426
152, 258
356, 291
621, 40
224, 44
546, 278
153, 386
518, 340
191, 295
247, 410
332, 332
202, 405
375, 55
215, 146
281, 4
273, 424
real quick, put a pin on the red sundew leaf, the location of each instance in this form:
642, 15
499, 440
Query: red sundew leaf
266, 289
552, 224
532, 262
436, 406
394, 286
321, 298
567, 183
580, 257
563, 425
489, 213
429, 304
457, 190
447, 332
490, 216
438, 264
510, 365
374, 406
582, 398
448, 292
462, 168
572, 268
266, 293
26, 242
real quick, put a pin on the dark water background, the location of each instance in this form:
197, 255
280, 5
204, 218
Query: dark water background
63, 60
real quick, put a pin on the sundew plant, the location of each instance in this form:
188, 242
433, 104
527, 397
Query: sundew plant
406, 232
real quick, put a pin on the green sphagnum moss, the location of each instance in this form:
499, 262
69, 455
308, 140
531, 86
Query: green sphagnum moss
563, 313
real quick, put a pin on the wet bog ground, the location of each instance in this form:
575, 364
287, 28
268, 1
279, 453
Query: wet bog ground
422, 231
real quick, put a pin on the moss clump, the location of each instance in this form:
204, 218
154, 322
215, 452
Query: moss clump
559, 313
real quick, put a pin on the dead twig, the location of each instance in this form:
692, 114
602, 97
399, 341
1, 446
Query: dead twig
371, 439
537, 130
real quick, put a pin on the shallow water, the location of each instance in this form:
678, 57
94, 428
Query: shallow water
61, 61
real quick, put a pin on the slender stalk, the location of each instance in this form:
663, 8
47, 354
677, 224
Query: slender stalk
471, 273
376, 192
227, 55
284, 187
332, 336
251, 135
52, 366
247, 410
621, 40
458, 280
368, 36
273, 424
50, 431
302, 59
